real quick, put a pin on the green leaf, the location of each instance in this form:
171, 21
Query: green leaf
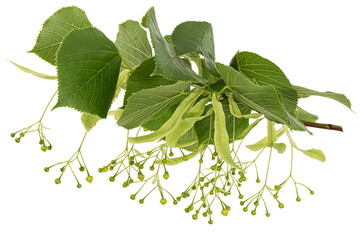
264, 72
88, 71
40, 75
314, 153
296, 124
141, 79
55, 29
305, 92
304, 115
234, 126
144, 105
189, 37
133, 43
167, 64
145, 19
263, 99
161, 118
89, 121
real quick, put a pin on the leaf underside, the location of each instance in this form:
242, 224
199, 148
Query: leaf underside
167, 64
133, 43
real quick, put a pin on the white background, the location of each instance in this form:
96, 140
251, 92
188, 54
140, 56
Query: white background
316, 43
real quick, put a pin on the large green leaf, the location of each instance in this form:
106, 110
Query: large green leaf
264, 72
55, 29
304, 115
305, 92
192, 36
263, 99
144, 105
234, 126
158, 120
88, 71
141, 79
167, 64
133, 43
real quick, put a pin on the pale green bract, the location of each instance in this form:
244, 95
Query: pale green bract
37, 74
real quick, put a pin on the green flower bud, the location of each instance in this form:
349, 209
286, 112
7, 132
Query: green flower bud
281, 205
166, 175
17, 140
141, 201
81, 169
224, 212
298, 199
57, 181
141, 176
22, 134
175, 202
245, 209
277, 187
267, 214
41, 142
152, 168
49, 147
89, 179
171, 154
253, 212
112, 179
79, 185
312, 192
46, 169
210, 222
132, 196
163, 201
257, 180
